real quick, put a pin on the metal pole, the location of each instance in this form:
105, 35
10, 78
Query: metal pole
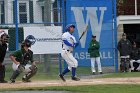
60, 63
115, 37
0, 11
16, 21
59, 55
47, 16
135, 7
63, 19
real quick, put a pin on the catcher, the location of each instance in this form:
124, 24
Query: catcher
23, 62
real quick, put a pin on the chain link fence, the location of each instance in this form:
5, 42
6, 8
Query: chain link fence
17, 14
36, 13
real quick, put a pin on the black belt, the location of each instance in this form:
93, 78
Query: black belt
67, 50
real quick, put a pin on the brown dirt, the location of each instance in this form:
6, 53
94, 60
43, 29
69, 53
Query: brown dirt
20, 84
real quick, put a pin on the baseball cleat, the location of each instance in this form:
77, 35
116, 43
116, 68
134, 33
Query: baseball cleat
62, 77
25, 80
12, 81
75, 78
3, 81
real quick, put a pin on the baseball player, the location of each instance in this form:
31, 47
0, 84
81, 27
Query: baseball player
3, 47
23, 62
69, 43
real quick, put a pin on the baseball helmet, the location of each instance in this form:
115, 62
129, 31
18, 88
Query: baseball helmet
27, 43
68, 27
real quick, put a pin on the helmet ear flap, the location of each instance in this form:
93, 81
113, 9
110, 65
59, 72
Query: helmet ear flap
27, 43
22, 44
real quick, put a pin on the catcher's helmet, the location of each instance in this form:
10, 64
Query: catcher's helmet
68, 27
27, 43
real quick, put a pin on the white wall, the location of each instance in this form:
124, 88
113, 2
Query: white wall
37, 12
8, 11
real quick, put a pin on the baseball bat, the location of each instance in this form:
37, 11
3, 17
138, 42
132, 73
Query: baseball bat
83, 32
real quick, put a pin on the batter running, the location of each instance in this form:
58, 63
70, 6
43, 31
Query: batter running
69, 43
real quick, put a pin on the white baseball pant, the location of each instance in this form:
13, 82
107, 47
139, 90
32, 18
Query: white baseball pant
27, 69
131, 63
70, 60
93, 60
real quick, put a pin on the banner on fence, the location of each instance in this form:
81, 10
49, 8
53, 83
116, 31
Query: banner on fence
45, 40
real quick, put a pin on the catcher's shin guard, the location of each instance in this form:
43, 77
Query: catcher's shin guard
16, 73
30, 74
14, 76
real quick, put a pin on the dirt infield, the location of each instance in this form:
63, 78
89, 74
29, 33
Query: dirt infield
20, 84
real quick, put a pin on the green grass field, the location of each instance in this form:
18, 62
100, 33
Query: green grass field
120, 75
42, 75
100, 89
54, 71
87, 89
53, 75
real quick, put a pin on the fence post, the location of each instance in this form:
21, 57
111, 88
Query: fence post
16, 22
115, 36
60, 63
63, 29
47, 16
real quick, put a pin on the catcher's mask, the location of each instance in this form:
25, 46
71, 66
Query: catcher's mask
26, 43
5, 38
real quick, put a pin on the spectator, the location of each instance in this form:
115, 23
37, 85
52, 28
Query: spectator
124, 47
135, 58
